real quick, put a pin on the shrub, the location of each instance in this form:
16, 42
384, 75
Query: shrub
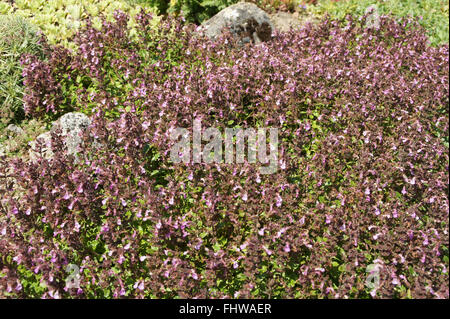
108, 65
17, 37
60, 19
195, 11
432, 14
362, 179
192, 10
198, 11
5, 8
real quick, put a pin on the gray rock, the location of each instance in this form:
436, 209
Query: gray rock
70, 126
15, 129
245, 20
74, 121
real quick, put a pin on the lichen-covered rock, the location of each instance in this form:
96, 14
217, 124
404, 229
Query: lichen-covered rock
15, 129
245, 20
70, 126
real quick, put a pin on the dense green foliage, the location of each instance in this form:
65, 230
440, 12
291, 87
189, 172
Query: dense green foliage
433, 14
195, 11
17, 37
60, 19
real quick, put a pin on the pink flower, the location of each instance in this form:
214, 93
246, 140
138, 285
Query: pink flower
287, 248
268, 251
279, 201
404, 190
302, 220
394, 213
139, 285
71, 204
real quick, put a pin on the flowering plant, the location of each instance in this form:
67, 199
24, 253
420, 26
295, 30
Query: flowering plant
363, 178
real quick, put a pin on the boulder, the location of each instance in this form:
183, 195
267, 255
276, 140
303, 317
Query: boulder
70, 126
245, 20
15, 129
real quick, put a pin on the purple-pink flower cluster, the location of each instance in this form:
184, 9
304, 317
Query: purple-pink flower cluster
363, 174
